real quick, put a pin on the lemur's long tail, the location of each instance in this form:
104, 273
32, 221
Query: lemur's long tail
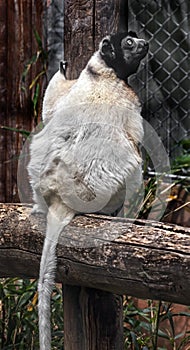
58, 217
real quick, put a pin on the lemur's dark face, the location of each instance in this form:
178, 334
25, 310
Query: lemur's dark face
123, 52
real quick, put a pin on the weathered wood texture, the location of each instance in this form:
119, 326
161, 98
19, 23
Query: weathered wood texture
93, 319
3, 78
18, 21
86, 23
112, 254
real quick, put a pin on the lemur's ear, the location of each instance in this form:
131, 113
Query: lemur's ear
133, 34
63, 67
107, 49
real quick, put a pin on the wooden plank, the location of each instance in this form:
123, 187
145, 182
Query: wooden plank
18, 104
3, 96
149, 261
18, 21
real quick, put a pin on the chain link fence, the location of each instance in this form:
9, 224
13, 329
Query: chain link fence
164, 84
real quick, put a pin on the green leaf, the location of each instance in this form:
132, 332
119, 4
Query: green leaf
170, 318
38, 39
186, 144
183, 160
146, 326
24, 299
34, 81
163, 335
187, 314
134, 340
179, 335
21, 131
36, 96
28, 66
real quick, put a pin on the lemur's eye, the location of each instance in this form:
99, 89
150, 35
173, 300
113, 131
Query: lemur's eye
129, 42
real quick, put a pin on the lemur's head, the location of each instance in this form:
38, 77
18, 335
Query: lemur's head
123, 52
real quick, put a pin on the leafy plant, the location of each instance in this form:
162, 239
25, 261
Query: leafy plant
40, 56
143, 327
151, 196
19, 318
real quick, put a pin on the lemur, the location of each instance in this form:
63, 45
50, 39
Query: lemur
86, 158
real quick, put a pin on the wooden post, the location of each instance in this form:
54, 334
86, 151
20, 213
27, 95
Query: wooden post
92, 318
86, 22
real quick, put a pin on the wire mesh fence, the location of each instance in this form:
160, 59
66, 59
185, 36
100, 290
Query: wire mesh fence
163, 86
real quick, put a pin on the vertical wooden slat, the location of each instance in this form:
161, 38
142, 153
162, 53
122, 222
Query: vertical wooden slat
18, 105
18, 20
38, 10
3, 96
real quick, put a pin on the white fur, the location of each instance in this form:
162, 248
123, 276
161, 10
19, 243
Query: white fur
58, 217
57, 88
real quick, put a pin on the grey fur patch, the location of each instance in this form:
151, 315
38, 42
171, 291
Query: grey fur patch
92, 71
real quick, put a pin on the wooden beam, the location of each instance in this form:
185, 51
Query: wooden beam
148, 260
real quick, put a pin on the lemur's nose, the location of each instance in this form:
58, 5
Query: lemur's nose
142, 45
